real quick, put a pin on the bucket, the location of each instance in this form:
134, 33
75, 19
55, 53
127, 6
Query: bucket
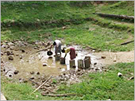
57, 57
87, 61
62, 60
80, 63
72, 63
49, 53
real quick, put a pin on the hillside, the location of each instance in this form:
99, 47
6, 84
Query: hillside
28, 26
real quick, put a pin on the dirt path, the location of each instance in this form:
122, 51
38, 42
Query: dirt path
115, 57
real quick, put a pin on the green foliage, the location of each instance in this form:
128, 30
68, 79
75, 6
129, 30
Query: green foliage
54, 81
120, 8
104, 85
19, 91
100, 33
87, 35
94, 86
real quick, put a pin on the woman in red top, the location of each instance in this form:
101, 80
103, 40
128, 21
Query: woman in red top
71, 51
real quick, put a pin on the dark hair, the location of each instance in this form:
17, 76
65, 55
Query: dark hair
63, 50
54, 43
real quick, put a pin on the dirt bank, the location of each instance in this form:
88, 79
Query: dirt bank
21, 61
115, 57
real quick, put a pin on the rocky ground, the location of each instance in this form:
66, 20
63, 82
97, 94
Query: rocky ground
46, 84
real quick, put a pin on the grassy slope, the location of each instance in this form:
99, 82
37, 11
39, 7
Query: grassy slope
97, 37
95, 86
47, 10
44, 11
16, 91
102, 86
120, 8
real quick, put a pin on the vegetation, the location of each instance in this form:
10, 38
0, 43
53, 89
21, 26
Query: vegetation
95, 86
103, 86
87, 35
43, 20
19, 24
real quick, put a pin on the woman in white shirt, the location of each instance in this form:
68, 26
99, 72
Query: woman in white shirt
57, 46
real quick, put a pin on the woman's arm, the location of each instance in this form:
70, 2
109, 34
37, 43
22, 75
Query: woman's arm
65, 55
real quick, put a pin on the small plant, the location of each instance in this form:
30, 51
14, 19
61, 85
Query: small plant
54, 81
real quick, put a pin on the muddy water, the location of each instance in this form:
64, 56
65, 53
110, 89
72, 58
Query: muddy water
30, 63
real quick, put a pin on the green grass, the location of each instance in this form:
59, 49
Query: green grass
47, 10
105, 85
95, 86
43, 10
19, 91
119, 8
99, 37
105, 34
38, 12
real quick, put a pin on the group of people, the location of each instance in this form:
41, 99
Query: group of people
57, 45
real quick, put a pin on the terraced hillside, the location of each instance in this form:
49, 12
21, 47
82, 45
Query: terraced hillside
74, 23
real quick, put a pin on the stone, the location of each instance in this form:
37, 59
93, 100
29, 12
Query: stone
38, 73
103, 57
114, 60
48, 43
32, 72
4, 70
20, 80
119, 74
17, 54
36, 96
31, 78
96, 69
25, 81
11, 53
11, 47
131, 78
2, 53
23, 51
132, 73
10, 58
4, 46
44, 64
8, 52
95, 63
64, 27
10, 44
3, 97
50, 57
9, 74
35, 47
16, 72
20, 57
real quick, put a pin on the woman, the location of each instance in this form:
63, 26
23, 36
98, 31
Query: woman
71, 51
57, 46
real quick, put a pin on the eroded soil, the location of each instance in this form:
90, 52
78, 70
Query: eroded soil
24, 62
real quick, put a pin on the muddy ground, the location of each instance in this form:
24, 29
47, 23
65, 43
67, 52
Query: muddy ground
24, 62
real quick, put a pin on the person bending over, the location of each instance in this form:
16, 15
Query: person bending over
71, 51
57, 46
